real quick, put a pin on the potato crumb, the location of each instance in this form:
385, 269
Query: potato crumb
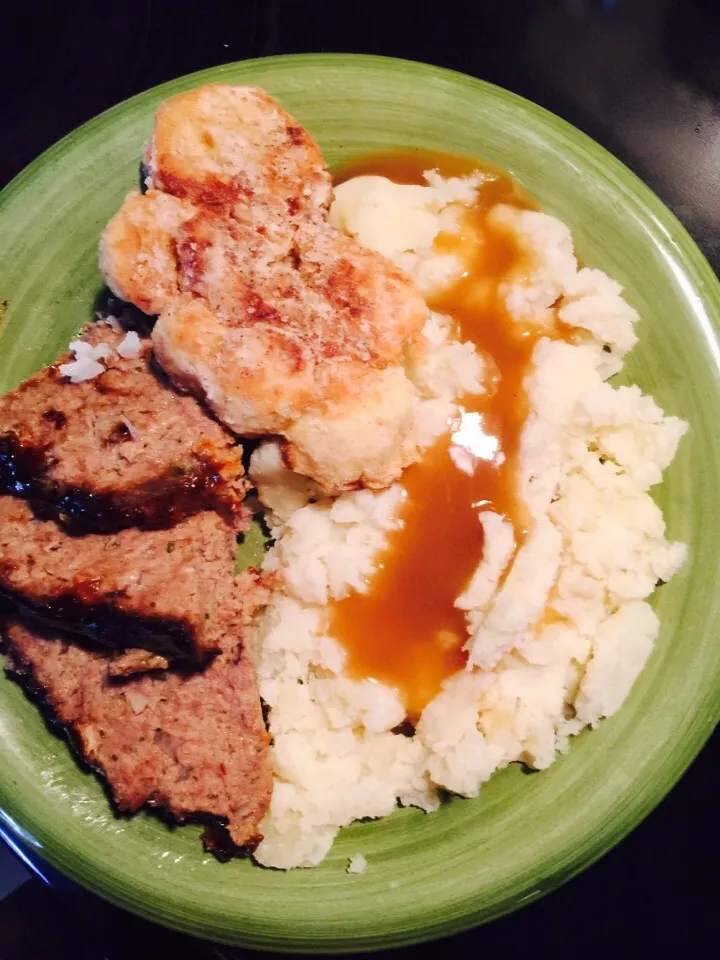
357, 864
86, 363
130, 345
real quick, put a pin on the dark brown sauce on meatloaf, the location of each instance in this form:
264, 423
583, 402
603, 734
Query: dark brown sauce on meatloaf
103, 624
158, 504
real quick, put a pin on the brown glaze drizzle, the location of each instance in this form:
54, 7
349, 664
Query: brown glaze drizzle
80, 612
158, 504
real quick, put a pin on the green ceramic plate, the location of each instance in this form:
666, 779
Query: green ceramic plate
428, 876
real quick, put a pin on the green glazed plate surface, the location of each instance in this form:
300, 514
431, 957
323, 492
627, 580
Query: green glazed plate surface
427, 876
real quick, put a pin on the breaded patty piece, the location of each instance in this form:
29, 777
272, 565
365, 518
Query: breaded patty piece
137, 249
121, 449
281, 323
167, 591
368, 435
340, 301
192, 744
235, 146
375, 310
262, 342
254, 377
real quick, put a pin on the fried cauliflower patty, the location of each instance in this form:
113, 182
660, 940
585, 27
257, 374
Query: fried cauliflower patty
282, 324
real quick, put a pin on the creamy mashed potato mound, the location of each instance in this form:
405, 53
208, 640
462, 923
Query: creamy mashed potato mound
402, 221
559, 627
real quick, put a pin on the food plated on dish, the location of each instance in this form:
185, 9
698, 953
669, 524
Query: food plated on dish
461, 539
526, 832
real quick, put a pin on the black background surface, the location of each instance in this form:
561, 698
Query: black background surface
640, 76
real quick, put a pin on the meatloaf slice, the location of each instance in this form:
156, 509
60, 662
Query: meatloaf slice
194, 744
160, 590
121, 449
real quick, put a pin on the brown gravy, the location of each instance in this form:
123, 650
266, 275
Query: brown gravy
405, 631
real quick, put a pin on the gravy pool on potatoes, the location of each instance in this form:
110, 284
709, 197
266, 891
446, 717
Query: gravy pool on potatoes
406, 631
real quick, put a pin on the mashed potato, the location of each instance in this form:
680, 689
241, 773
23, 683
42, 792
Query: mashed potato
558, 629
402, 221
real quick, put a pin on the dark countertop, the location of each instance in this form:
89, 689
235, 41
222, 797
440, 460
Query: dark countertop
640, 76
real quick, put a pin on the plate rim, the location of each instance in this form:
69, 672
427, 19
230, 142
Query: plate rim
704, 283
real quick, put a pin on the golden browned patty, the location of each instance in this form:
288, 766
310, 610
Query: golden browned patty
236, 146
281, 323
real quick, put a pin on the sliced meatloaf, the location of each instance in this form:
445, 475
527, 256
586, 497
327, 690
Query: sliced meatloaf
119, 449
162, 590
193, 744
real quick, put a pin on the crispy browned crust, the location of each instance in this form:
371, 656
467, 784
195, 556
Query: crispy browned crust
191, 746
130, 662
278, 321
193, 153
